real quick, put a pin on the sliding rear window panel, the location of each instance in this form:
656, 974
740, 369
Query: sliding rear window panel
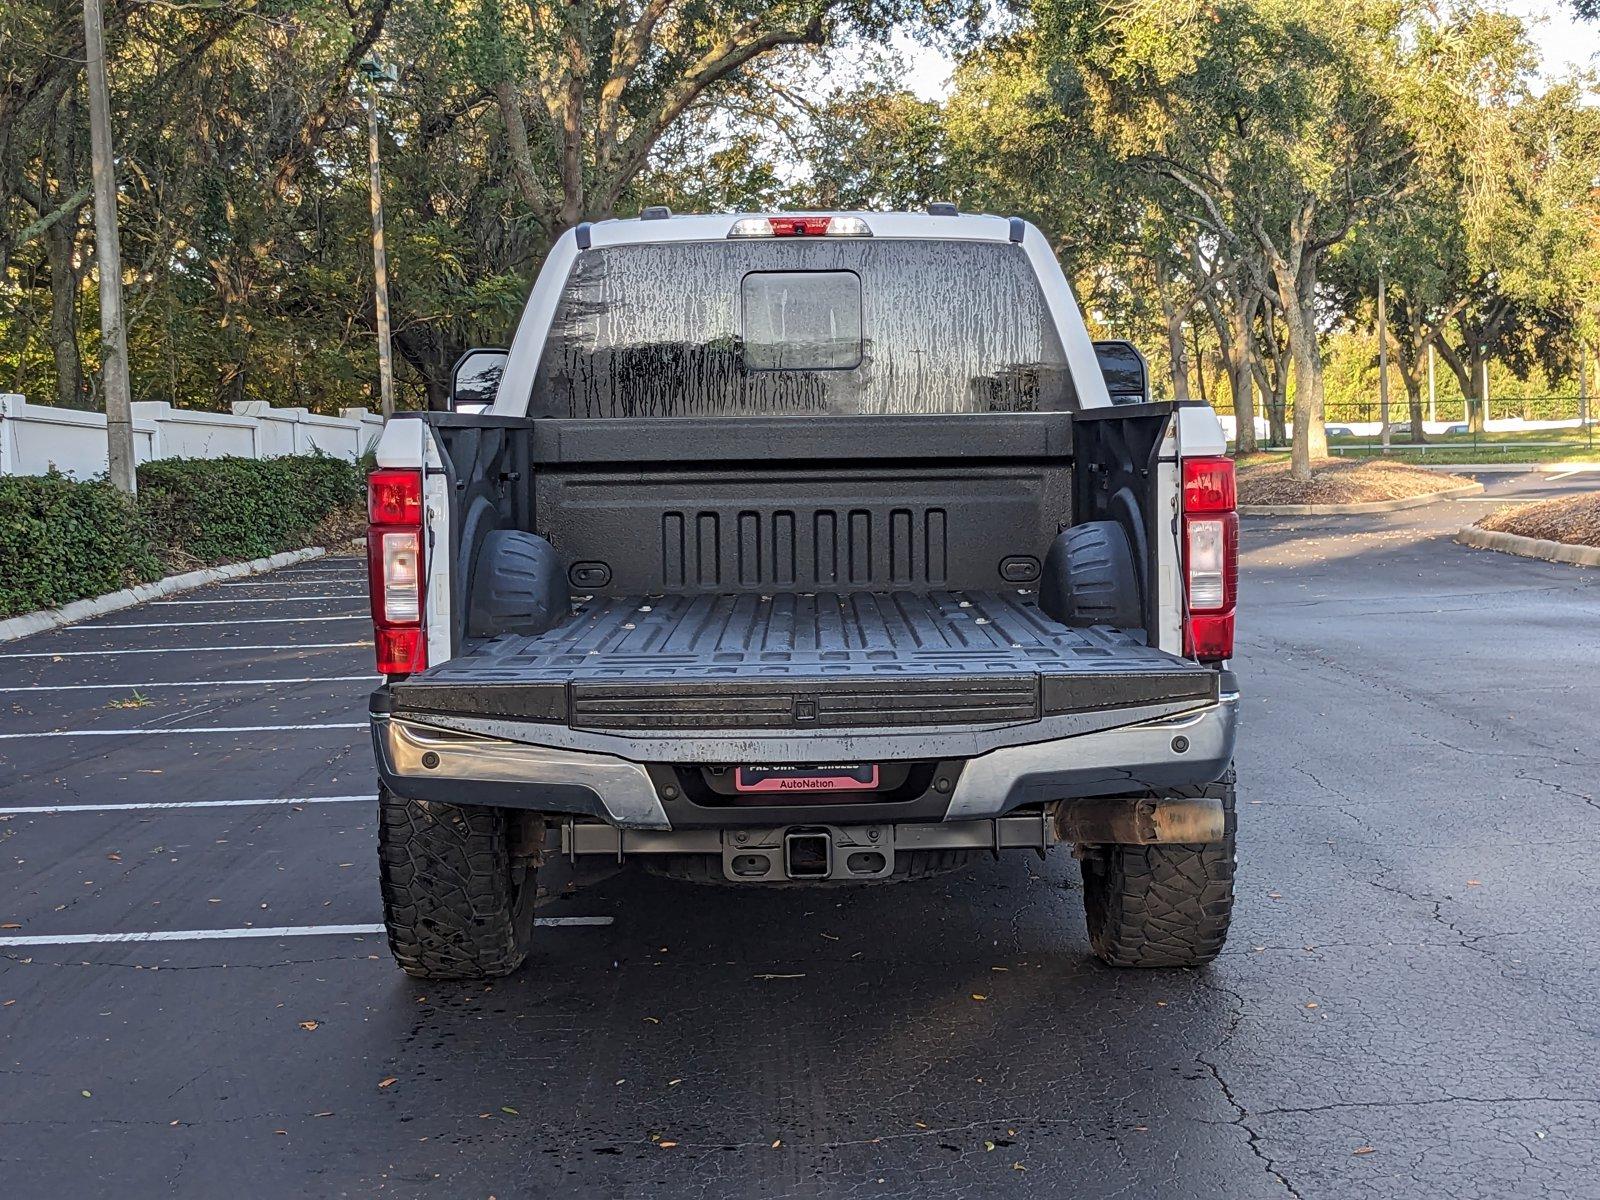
801, 320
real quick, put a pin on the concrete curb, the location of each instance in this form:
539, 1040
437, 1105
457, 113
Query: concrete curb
1369, 506
1547, 468
1541, 548
13, 628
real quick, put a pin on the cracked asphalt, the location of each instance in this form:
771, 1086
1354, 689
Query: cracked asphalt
1407, 1007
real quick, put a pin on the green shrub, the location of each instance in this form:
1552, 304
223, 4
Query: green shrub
211, 510
61, 540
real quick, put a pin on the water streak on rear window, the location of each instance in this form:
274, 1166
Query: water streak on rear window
946, 327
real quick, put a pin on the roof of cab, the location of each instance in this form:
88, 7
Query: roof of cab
706, 227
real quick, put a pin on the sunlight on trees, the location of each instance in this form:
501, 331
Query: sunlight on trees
1222, 179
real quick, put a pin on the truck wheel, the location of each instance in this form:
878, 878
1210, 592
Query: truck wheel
456, 904
1162, 906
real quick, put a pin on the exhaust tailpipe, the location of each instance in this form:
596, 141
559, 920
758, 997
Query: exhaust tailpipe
1140, 820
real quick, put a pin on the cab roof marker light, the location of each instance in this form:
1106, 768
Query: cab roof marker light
776, 227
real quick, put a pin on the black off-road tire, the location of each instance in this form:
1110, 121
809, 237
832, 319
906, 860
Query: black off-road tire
455, 903
1162, 906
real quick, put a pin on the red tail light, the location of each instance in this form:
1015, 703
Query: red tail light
395, 570
1210, 557
394, 497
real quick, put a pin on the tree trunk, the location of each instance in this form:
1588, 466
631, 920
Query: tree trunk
1240, 374
1479, 420
431, 359
1461, 370
1297, 292
58, 243
1177, 349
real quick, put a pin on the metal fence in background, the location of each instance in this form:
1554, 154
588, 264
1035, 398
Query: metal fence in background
1537, 426
1455, 411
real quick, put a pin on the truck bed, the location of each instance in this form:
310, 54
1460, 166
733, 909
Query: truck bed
796, 661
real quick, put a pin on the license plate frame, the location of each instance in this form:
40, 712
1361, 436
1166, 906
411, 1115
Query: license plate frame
802, 778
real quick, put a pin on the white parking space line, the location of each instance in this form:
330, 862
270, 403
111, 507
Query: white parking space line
360, 616
155, 805
350, 578
134, 686
212, 935
256, 600
179, 730
181, 649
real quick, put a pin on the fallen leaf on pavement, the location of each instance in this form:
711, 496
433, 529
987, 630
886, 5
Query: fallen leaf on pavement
1363, 1150
389, 1082
308, 1025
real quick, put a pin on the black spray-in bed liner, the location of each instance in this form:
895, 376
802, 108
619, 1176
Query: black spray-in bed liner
798, 661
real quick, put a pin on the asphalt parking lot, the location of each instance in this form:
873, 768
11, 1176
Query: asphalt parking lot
1407, 1007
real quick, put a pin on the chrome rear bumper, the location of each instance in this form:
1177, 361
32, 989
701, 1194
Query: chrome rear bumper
425, 761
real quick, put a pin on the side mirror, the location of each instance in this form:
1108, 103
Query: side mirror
1126, 375
475, 379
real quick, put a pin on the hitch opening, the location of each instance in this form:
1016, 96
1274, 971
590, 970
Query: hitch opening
808, 854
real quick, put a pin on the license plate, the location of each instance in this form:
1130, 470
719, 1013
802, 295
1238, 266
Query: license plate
832, 777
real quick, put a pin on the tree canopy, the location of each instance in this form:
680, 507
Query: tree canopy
1225, 180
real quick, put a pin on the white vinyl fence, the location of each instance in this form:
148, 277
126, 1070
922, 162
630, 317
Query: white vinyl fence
35, 437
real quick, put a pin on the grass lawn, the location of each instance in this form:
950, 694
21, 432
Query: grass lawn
1265, 479
1508, 445
1451, 454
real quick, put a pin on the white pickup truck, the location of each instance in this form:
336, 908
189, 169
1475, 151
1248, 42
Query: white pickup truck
803, 549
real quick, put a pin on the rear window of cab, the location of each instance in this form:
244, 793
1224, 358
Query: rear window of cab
802, 326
